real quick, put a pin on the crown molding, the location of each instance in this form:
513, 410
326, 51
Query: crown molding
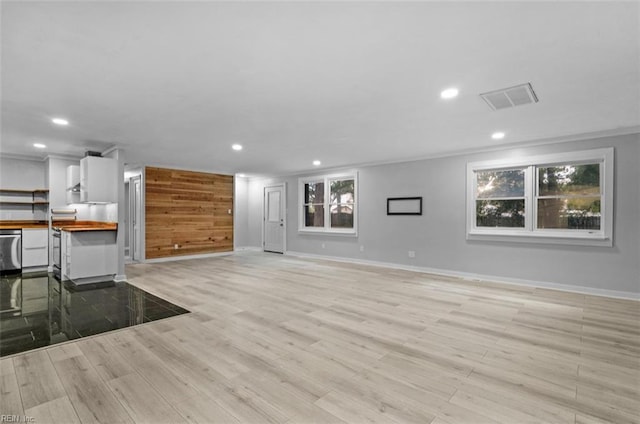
64, 157
22, 157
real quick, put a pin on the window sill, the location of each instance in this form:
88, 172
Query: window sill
583, 238
323, 232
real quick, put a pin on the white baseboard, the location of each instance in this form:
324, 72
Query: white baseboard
35, 269
248, 249
477, 277
92, 280
120, 277
185, 257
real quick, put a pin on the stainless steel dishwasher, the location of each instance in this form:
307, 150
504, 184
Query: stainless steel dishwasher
10, 250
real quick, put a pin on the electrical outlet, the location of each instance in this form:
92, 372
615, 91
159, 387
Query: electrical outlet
412, 254
323, 245
175, 246
362, 248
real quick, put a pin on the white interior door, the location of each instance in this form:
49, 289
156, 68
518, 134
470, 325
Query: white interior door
127, 217
274, 218
135, 217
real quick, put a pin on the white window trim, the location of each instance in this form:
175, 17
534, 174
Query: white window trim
529, 234
327, 230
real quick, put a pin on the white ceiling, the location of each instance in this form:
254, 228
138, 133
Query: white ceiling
176, 83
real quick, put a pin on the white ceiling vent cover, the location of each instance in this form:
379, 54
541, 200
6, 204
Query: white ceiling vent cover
510, 97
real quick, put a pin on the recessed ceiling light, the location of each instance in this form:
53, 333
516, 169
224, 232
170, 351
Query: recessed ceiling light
60, 121
236, 147
39, 145
449, 93
497, 135
316, 163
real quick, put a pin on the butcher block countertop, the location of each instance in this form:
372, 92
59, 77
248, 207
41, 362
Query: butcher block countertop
76, 226
63, 225
18, 225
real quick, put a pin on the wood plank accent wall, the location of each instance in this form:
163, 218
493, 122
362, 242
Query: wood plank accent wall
190, 209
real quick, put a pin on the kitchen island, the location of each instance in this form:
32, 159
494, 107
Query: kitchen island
88, 251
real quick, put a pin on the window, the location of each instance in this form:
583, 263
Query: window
314, 204
328, 204
500, 198
569, 196
562, 198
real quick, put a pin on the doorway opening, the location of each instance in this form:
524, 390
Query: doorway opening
133, 243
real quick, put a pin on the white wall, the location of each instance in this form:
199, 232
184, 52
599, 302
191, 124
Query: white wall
21, 174
438, 236
241, 213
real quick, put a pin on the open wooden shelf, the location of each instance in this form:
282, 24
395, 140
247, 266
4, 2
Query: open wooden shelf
11, 190
26, 198
2, 202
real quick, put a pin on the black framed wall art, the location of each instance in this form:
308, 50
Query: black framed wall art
404, 206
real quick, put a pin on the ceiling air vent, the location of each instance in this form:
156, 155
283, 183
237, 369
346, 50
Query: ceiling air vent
510, 97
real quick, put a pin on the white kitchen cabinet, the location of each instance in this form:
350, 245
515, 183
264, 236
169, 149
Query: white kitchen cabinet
89, 256
98, 180
35, 247
73, 184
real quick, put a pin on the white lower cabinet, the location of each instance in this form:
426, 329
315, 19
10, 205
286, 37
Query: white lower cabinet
35, 247
89, 256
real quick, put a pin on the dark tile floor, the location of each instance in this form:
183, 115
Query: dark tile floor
38, 310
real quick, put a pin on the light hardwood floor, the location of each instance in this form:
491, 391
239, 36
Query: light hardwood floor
276, 339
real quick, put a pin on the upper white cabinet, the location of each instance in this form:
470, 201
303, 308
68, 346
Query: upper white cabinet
98, 180
73, 184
